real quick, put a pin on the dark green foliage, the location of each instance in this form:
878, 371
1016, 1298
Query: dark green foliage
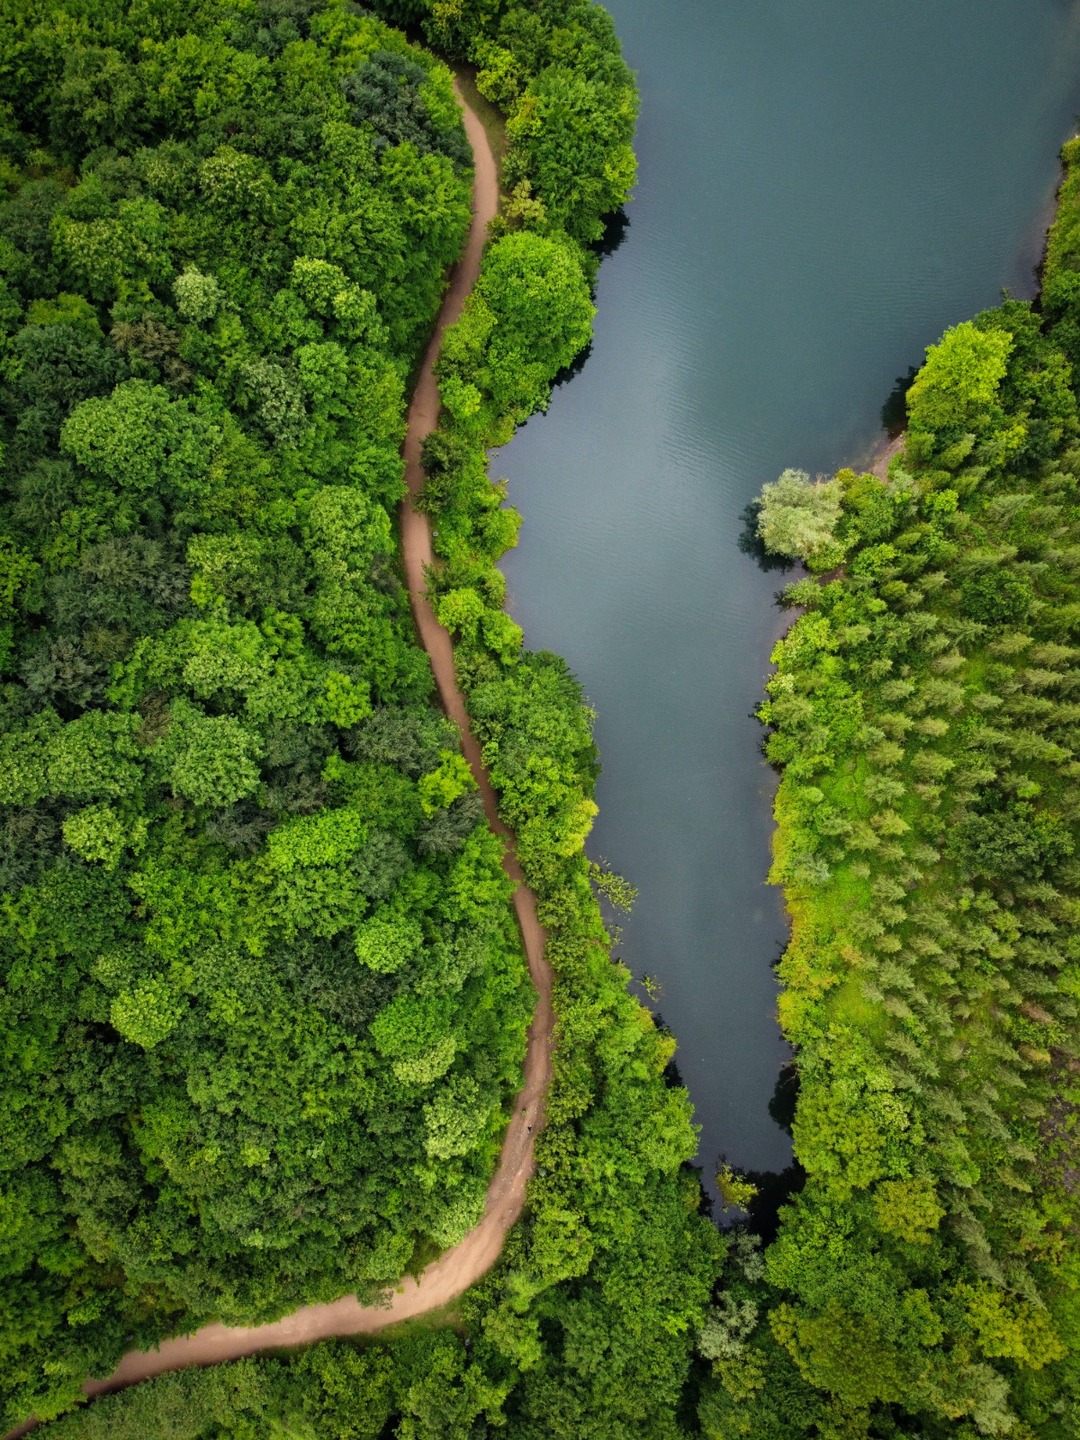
386, 93
1014, 841
554, 68
527, 318
996, 596
217, 722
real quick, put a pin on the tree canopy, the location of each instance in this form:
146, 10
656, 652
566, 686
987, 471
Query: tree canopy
258, 1045
798, 516
265, 1005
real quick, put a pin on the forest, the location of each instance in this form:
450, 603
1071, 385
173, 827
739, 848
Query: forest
264, 1000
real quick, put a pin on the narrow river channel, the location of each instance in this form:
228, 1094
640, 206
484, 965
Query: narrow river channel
825, 185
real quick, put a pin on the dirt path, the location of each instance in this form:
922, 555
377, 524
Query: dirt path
460, 1267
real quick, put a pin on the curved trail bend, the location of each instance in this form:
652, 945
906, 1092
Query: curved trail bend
460, 1267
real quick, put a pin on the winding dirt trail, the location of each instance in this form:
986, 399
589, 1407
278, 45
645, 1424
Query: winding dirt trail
462, 1266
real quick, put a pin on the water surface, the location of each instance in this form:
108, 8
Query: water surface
824, 187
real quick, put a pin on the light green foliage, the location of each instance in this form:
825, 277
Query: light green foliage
412, 1026
440, 788
735, 1192
1009, 1328
419, 1066
310, 868
456, 1218
64, 309
140, 440
503, 636
146, 1014
927, 828
461, 610
95, 757
387, 942
210, 759
726, 1328
114, 249
198, 296
1063, 242
908, 1209
331, 837
850, 1126
954, 403
17, 568
958, 385
346, 701
98, 833
798, 516
615, 888
23, 759
455, 1120
223, 656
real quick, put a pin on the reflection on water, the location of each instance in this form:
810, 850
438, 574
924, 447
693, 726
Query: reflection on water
574, 369
894, 411
614, 234
824, 187
751, 543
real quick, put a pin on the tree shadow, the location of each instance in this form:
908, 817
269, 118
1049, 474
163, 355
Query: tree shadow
615, 227
574, 369
894, 411
785, 1096
673, 1076
775, 1189
751, 543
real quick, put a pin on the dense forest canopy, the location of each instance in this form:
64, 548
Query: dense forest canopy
264, 1002
263, 999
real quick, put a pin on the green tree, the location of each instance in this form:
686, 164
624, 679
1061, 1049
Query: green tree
210, 759
386, 942
148, 1013
528, 316
798, 517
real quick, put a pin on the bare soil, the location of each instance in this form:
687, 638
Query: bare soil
880, 461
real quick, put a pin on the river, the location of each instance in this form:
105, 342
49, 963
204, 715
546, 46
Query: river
824, 187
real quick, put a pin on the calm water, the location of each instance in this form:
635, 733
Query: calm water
825, 185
